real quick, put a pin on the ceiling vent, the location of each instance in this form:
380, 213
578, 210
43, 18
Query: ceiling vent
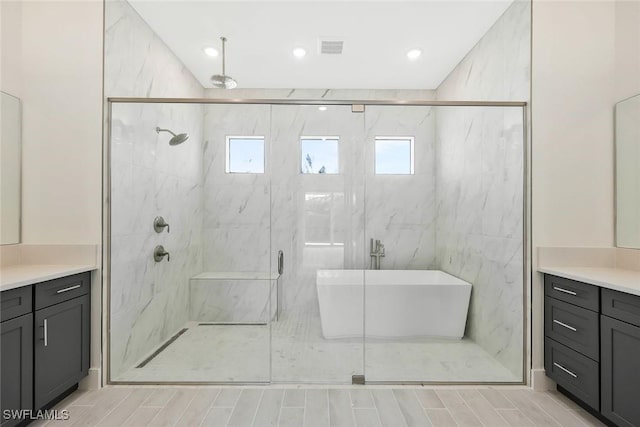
330, 46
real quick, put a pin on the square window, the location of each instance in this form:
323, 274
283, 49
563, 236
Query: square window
245, 154
394, 155
319, 154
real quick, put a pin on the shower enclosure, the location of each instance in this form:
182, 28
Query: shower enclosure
271, 208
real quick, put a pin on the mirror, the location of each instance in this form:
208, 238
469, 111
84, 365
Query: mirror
10, 169
628, 173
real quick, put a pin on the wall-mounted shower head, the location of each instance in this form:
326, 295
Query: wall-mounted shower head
176, 139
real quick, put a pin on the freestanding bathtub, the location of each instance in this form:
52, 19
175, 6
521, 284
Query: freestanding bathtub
399, 303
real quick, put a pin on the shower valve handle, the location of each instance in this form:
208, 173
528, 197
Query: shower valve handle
159, 224
159, 252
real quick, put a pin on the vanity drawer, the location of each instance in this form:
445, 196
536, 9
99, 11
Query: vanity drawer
63, 289
573, 326
621, 306
577, 293
15, 302
573, 371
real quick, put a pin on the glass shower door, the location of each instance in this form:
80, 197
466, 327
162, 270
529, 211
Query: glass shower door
201, 313
317, 212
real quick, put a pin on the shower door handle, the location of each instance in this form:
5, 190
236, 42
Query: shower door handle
280, 262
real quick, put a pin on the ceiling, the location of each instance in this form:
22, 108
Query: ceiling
376, 34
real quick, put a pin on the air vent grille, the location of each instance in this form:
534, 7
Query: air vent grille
330, 47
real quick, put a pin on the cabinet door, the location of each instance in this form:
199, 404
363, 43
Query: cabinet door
61, 348
17, 366
620, 371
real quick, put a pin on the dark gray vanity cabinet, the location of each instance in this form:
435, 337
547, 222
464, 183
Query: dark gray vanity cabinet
16, 371
620, 365
45, 342
592, 347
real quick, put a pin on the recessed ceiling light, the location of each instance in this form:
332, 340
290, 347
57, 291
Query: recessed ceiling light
210, 51
299, 52
323, 108
414, 54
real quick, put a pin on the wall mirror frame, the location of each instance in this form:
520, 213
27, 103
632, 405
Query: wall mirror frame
10, 169
627, 166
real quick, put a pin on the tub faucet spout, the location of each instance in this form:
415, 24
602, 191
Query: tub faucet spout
376, 252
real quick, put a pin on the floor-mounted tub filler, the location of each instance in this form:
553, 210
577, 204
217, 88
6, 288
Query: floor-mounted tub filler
397, 303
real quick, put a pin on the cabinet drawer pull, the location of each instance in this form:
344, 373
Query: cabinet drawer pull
571, 328
566, 291
565, 369
46, 333
70, 288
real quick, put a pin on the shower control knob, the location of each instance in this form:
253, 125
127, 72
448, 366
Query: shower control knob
159, 252
159, 225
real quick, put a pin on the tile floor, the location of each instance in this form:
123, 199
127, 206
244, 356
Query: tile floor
294, 351
357, 406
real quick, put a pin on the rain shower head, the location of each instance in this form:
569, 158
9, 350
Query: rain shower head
223, 81
176, 139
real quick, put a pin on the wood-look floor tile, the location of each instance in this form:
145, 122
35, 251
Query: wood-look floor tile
246, 407
388, 409
294, 398
269, 408
564, 416
588, 419
127, 407
159, 397
291, 417
76, 416
411, 408
340, 413
441, 417
316, 411
361, 399
429, 399
496, 399
227, 398
366, 417
143, 416
529, 408
175, 408
108, 401
460, 411
515, 418
217, 417
485, 413
198, 408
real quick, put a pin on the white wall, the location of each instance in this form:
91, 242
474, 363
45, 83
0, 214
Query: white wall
10, 43
61, 73
574, 89
627, 82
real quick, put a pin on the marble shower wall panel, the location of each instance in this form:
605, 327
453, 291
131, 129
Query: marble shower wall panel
400, 209
138, 63
149, 300
498, 67
237, 221
480, 151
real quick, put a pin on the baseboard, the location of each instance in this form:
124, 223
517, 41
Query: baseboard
540, 381
91, 381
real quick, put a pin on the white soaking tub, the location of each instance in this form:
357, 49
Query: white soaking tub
399, 303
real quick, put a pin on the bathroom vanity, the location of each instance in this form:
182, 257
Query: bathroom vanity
45, 339
592, 339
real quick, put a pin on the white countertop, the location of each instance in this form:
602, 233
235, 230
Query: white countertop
627, 281
16, 276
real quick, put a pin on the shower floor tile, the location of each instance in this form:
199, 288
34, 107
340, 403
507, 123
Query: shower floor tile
241, 353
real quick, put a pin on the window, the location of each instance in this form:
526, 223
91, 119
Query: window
394, 155
319, 154
245, 154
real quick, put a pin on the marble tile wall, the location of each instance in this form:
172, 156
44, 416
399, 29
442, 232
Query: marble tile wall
286, 210
149, 300
479, 233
